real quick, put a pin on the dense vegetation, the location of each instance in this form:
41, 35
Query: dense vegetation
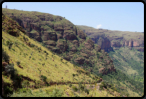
124, 84
130, 62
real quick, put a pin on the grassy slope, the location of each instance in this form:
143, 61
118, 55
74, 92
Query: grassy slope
130, 62
32, 63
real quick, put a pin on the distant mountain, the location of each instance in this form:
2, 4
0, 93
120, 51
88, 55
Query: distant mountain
109, 40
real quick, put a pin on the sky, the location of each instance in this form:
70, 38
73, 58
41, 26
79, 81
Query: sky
122, 16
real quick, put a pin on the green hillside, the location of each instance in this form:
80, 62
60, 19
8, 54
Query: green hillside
47, 50
63, 38
130, 62
29, 69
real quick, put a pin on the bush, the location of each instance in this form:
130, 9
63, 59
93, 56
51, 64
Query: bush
32, 45
105, 85
18, 63
10, 69
82, 88
9, 43
87, 91
44, 78
74, 88
70, 85
5, 56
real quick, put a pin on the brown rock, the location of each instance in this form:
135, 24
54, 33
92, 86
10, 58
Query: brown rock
59, 36
81, 34
62, 46
135, 44
49, 35
79, 60
69, 35
75, 42
130, 43
116, 44
87, 61
126, 43
84, 55
50, 42
73, 49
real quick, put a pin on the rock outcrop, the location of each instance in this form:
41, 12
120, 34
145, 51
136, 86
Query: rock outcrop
103, 42
108, 40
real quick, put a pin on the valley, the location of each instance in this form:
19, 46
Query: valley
44, 55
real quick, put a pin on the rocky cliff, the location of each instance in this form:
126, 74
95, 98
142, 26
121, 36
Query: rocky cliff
115, 39
63, 38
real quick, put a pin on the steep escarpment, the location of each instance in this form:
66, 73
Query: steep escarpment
115, 39
62, 37
27, 66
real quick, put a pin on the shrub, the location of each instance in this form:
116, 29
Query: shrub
70, 85
25, 39
33, 59
32, 45
18, 63
87, 91
74, 88
10, 69
9, 43
82, 87
61, 59
104, 84
44, 78
5, 56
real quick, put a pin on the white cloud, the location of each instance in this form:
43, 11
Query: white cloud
98, 26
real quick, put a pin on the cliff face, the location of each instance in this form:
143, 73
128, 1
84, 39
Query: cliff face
115, 39
103, 42
63, 38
